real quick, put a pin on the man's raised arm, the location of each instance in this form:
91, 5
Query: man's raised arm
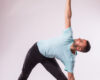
68, 14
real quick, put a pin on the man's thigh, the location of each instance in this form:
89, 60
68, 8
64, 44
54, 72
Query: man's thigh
53, 67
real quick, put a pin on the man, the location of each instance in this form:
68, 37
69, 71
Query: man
63, 47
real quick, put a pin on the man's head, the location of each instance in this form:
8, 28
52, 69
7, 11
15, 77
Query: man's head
81, 45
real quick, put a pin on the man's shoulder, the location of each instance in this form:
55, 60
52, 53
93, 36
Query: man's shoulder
67, 30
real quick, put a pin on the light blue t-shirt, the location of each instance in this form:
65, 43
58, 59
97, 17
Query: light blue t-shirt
59, 47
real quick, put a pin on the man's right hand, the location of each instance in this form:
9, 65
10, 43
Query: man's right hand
71, 76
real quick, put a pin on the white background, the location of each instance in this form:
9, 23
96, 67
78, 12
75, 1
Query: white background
23, 22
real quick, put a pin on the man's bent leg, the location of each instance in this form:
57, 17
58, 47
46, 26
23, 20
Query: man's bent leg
53, 67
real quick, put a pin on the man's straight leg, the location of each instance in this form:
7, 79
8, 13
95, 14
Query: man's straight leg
53, 67
29, 63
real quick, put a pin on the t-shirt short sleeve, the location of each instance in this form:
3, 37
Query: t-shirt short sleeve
67, 33
69, 67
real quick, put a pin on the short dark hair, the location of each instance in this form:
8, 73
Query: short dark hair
87, 48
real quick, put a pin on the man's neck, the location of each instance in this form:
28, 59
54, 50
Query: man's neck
72, 49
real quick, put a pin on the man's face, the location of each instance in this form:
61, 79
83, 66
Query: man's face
80, 43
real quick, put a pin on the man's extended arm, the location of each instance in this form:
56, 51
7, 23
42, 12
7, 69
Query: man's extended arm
68, 14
